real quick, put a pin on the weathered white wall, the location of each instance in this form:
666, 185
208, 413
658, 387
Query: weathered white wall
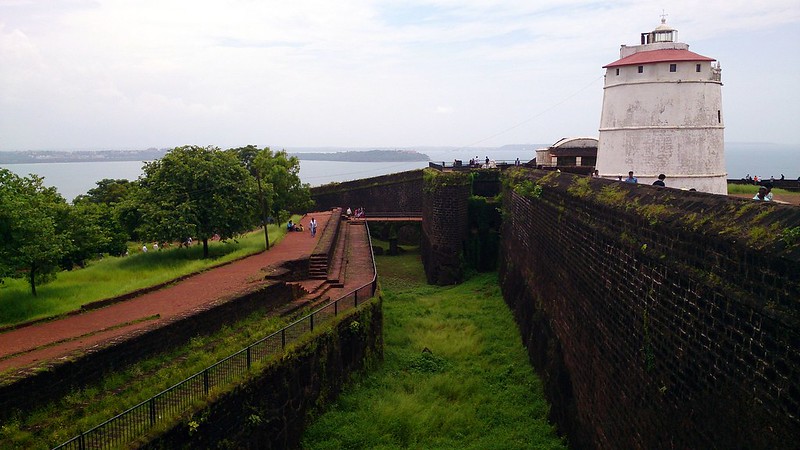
664, 122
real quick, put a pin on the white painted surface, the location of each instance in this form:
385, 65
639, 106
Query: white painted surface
665, 122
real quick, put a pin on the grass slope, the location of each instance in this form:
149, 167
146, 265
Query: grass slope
111, 277
472, 388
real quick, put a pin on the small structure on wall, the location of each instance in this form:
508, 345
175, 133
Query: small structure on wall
575, 154
662, 113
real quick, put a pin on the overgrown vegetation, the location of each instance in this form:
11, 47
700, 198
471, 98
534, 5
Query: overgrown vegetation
455, 374
82, 409
434, 179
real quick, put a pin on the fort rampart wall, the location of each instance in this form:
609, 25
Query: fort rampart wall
271, 408
398, 192
657, 318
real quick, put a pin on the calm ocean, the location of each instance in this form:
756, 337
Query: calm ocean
73, 179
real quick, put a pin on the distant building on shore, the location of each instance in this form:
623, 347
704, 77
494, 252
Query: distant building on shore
575, 154
662, 113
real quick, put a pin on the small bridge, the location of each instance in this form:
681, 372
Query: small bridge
391, 216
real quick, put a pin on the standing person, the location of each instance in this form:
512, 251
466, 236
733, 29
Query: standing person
144, 248
631, 179
596, 174
516, 163
313, 226
660, 181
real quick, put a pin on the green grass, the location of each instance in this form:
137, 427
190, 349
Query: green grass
472, 388
80, 410
111, 277
751, 189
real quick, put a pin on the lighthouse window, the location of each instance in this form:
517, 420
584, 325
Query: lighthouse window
697, 68
673, 67
617, 71
641, 69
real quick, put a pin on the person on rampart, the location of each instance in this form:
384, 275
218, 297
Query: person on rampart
631, 179
290, 225
313, 226
660, 181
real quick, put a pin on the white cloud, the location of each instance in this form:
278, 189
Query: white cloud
347, 73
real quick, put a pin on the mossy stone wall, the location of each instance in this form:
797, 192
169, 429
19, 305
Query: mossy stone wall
657, 318
273, 407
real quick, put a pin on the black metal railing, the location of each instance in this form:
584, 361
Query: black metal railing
464, 165
136, 421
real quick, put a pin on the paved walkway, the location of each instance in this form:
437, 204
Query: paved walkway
34, 345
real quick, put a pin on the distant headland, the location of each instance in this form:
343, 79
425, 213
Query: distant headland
69, 156
365, 156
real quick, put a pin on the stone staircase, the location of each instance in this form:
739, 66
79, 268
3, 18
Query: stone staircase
318, 267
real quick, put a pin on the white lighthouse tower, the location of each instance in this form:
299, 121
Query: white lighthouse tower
662, 113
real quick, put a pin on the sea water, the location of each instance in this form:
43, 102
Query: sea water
73, 179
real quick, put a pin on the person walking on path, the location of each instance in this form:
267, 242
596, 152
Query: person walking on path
313, 226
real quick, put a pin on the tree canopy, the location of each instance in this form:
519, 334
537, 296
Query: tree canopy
196, 191
31, 243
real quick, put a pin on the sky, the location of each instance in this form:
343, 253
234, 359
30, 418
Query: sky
120, 74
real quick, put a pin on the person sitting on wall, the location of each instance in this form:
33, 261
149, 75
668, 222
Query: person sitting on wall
660, 180
298, 227
631, 179
762, 194
769, 187
290, 225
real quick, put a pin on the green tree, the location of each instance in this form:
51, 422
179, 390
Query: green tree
90, 229
196, 191
247, 156
281, 176
108, 191
31, 240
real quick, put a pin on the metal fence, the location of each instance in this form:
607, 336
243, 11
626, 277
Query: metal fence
136, 421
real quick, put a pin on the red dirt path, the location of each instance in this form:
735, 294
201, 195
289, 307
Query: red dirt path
46, 342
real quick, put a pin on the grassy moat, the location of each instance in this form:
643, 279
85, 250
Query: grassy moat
455, 374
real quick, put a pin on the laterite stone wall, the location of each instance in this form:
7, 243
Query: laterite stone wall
32, 390
444, 226
398, 192
271, 409
657, 318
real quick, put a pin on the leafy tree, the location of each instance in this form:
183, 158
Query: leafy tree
31, 241
196, 191
90, 229
119, 212
108, 191
247, 156
281, 175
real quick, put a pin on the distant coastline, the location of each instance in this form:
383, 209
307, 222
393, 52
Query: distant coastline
77, 156
365, 156
72, 156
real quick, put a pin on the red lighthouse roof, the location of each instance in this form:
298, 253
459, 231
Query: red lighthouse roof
654, 56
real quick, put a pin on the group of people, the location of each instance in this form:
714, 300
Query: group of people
359, 213
755, 178
633, 180
312, 226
